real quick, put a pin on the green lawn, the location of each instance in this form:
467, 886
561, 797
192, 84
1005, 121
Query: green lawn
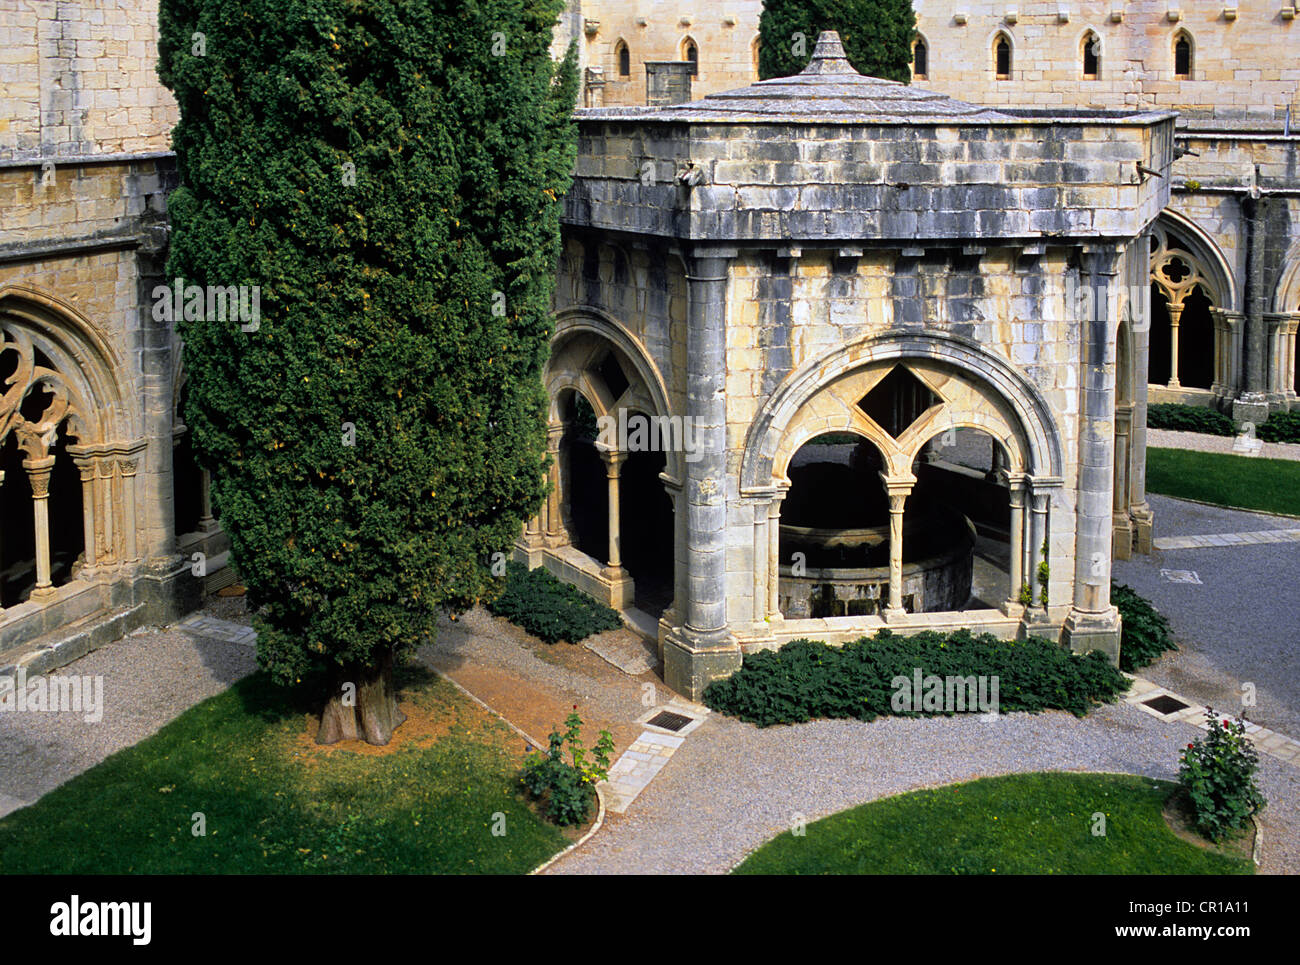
1246, 482
1021, 824
273, 804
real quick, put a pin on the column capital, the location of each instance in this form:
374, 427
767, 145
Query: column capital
898, 485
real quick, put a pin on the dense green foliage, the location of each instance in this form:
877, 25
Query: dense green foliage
808, 679
567, 789
1280, 427
1218, 773
550, 609
1189, 418
877, 35
271, 806
1245, 482
390, 183
1146, 633
1021, 824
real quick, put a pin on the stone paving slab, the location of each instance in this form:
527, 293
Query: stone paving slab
1227, 539
625, 649
218, 629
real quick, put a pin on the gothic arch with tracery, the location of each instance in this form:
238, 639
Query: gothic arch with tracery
61, 381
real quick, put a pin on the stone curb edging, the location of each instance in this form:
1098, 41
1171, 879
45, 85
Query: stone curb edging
600, 797
1257, 852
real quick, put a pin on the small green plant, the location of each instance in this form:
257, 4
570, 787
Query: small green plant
1146, 633
1026, 595
1192, 186
568, 788
1217, 771
1044, 577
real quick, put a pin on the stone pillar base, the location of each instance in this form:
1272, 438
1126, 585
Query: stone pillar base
1035, 622
1084, 632
1143, 523
692, 661
1251, 407
1122, 537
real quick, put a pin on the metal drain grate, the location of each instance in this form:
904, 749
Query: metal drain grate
669, 721
1164, 704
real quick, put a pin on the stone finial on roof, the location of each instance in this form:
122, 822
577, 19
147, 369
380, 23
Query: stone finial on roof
828, 56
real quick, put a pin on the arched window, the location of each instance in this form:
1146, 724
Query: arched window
1183, 57
691, 54
920, 59
754, 50
1002, 57
624, 59
1091, 56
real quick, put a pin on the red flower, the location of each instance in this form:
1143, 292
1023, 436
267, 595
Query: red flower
1225, 722
1191, 746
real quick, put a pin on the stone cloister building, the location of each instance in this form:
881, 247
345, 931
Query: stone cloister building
1228, 339
746, 274
101, 510
865, 268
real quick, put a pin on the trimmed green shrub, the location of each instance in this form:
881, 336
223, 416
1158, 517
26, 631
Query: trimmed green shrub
1189, 418
1217, 771
550, 609
809, 679
877, 35
1146, 634
1280, 427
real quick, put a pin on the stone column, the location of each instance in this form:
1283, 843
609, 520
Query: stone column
207, 522
554, 525
774, 556
1016, 564
38, 474
126, 468
1093, 623
87, 469
1252, 405
1122, 543
703, 649
104, 499
1039, 502
1175, 316
898, 489
613, 465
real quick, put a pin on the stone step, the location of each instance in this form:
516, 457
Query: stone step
60, 647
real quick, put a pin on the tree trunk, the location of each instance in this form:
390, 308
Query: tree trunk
362, 704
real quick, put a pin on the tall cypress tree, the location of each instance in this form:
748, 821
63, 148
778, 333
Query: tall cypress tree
386, 172
877, 35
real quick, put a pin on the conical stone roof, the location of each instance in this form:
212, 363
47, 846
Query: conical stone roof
828, 90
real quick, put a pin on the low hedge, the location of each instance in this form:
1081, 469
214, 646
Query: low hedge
809, 679
1189, 418
1146, 634
550, 609
1280, 427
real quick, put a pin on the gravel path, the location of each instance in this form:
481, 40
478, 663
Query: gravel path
1204, 442
1238, 625
149, 678
733, 786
